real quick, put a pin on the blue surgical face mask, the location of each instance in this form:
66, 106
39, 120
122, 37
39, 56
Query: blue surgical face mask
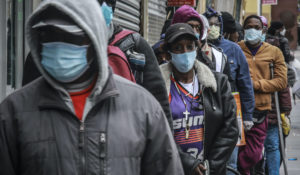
253, 36
63, 61
107, 12
263, 37
197, 35
184, 62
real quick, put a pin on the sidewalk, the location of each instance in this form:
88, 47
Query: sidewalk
293, 141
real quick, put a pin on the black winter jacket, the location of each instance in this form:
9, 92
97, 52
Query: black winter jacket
220, 124
285, 48
283, 44
152, 78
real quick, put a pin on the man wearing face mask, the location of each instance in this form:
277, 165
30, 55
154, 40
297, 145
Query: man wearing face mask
241, 81
259, 56
151, 76
223, 25
210, 55
78, 117
203, 108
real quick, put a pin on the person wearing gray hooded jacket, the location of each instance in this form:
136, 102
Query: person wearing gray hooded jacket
79, 118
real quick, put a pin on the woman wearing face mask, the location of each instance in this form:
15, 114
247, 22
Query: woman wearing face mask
202, 106
240, 75
259, 56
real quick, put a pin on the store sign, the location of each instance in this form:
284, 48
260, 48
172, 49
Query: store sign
178, 3
269, 2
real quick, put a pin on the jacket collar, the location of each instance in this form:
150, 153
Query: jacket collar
204, 74
246, 49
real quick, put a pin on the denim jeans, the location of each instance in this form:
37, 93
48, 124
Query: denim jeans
272, 150
232, 162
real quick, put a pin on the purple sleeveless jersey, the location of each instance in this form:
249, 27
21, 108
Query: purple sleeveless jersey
194, 144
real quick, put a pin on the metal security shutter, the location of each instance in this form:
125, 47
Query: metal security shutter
127, 14
157, 16
227, 6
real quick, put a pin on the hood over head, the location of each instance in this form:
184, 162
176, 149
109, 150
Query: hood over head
206, 26
186, 13
87, 15
210, 13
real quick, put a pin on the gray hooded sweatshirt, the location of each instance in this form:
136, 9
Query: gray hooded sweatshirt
124, 130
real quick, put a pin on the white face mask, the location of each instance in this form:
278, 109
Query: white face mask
283, 32
253, 36
214, 32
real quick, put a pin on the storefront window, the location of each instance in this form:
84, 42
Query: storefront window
10, 45
15, 44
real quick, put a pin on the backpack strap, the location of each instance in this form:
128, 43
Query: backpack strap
119, 63
120, 36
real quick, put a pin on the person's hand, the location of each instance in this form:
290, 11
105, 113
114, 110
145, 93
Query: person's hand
248, 125
199, 170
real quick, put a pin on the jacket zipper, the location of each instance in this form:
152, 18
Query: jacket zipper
81, 146
102, 143
102, 153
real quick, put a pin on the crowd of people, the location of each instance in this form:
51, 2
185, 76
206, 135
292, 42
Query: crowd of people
97, 99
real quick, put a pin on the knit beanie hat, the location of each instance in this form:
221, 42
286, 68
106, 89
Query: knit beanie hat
186, 13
